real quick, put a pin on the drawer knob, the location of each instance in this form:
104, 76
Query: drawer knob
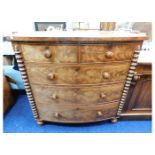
77, 69
99, 113
109, 54
57, 115
106, 75
47, 53
136, 76
54, 96
51, 76
102, 95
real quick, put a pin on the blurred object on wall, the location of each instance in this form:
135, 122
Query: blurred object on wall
50, 26
75, 25
124, 26
80, 25
84, 25
143, 27
107, 26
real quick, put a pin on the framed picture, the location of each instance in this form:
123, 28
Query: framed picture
49, 26
107, 26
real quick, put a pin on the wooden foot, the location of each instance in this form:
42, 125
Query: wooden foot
114, 120
39, 122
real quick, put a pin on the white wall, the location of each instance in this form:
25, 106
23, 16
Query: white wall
20, 15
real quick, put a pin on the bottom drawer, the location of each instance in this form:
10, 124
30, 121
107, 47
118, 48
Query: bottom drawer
76, 114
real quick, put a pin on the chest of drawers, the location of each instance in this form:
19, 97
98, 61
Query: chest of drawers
77, 77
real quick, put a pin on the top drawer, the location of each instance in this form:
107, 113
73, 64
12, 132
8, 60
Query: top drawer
53, 54
107, 52
86, 53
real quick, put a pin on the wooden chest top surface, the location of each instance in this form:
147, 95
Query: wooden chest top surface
79, 36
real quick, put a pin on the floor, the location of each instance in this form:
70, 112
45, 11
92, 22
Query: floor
19, 119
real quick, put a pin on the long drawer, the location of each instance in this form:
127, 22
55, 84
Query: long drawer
77, 95
78, 53
77, 74
72, 114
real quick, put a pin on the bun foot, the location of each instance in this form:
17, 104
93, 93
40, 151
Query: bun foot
39, 122
114, 120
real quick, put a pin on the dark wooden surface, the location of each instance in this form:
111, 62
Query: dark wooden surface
75, 53
79, 81
67, 113
86, 95
77, 74
139, 100
7, 95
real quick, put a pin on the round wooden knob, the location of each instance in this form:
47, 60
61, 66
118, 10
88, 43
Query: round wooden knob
77, 69
54, 96
47, 53
16, 48
109, 54
136, 77
106, 75
57, 115
99, 113
102, 95
114, 120
51, 76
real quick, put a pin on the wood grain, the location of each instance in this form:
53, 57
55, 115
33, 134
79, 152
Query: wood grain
59, 54
98, 53
77, 74
7, 95
72, 114
22, 69
77, 77
139, 100
69, 53
77, 95
141, 90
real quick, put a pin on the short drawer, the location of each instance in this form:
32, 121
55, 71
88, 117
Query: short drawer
50, 54
77, 74
77, 95
76, 114
107, 52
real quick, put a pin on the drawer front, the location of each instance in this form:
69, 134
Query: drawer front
75, 114
84, 74
77, 95
50, 54
105, 53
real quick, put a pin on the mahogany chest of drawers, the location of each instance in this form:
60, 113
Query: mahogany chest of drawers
77, 77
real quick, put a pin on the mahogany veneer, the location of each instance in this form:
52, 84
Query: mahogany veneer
77, 77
